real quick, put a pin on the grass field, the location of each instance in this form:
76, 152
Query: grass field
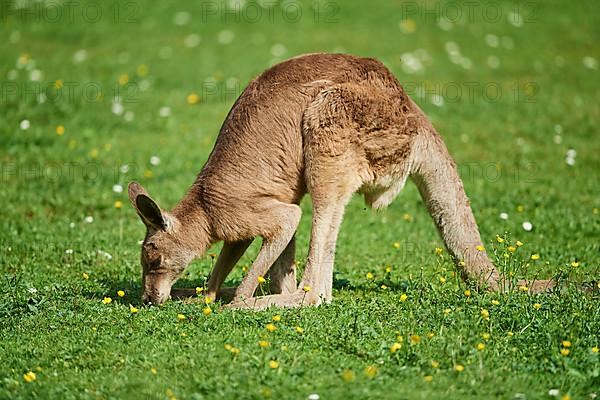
516, 99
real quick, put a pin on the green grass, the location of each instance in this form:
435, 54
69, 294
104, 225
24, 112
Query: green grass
53, 321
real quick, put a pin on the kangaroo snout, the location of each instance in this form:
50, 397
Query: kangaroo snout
157, 289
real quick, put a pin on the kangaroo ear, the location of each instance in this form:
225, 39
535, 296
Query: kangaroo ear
147, 209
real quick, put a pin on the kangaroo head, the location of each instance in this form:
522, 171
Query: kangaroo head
164, 256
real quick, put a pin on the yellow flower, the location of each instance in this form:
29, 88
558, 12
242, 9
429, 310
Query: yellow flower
208, 300
428, 378
85, 276
29, 377
480, 248
565, 397
148, 174
499, 239
270, 327
299, 330
395, 347
566, 343
306, 289
180, 317
430, 335
371, 371
564, 351
106, 300
120, 293
261, 280
523, 288
264, 344
459, 368
435, 364
348, 375
595, 349
485, 336
403, 297
383, 287
537, 306
370, 275
495, 302
574, 264
234, 350
192, 98
199, 290
407, 217
519, 243
461, 264
485, 314
388, 269
396, 245
58, 83
438, 251
207, 311
480, 346
277, 318
118, 204
142, 70
273, 364
123, 79
442, 280
415, 339
512, 249
60, 130
535, 257
509, 333
520, 208
447, 311
154, 371
467, 293
133, 310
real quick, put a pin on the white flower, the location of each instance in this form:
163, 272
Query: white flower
25, 124
154, 160
192, 40
225, 36
104, 254
313, 396
164, 111
503, 216
72, 225
128, 116
117, 108
124, 168
527, 226
80, 56
69, 251
89, 219
35, 75
117, 188
493, 62
590, 62
571, 153
492, 40
553, 392
570, 161
278, 50
557, 139
437, 100
182, 18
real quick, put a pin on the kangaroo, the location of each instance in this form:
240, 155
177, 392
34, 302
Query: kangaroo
329, 125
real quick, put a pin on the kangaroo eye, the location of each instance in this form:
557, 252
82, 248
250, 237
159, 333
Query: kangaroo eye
154, 264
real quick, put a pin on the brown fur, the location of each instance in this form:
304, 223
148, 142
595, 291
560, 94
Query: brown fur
325, 124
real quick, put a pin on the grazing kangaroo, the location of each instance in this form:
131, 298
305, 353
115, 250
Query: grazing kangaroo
325, 124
